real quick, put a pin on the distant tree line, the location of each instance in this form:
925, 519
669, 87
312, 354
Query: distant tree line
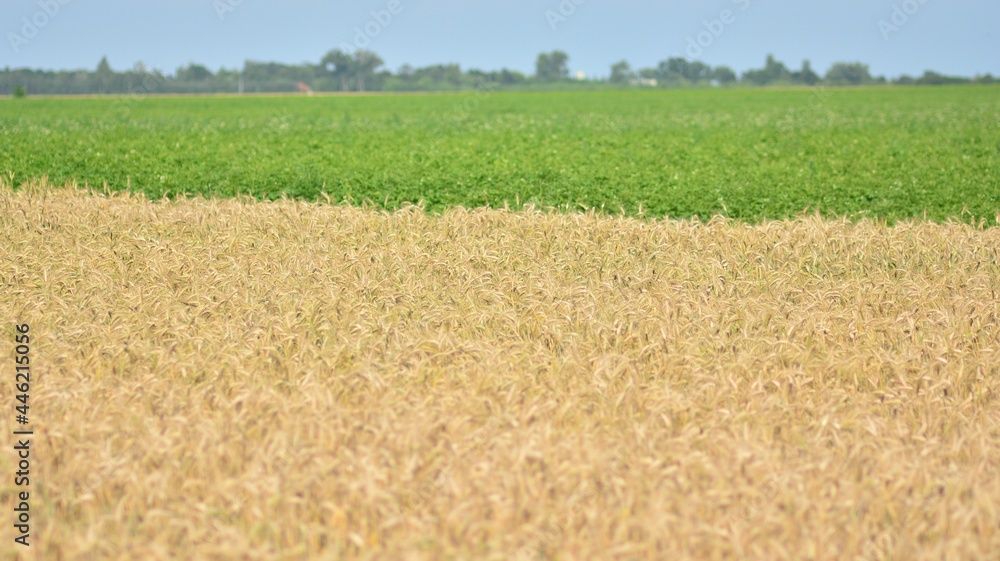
679, 71
364, 70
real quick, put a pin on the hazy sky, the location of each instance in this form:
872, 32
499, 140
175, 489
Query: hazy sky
952, 36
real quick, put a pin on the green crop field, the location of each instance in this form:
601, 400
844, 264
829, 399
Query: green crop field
746, 154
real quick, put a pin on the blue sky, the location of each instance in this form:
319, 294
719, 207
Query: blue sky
952, 36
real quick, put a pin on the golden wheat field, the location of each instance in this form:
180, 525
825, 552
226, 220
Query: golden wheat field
229, 379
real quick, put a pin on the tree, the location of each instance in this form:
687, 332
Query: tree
440, 74
673, 69
19, 92
724, 75
670, 71
105, 76
772, 72
698, 71
506, 76
848, 73
621, 72
365, 65
649, 73
553, 66
679, 69
776, 71
503, 76
193, 73
103, 68
931, 78
340, 66
806, 75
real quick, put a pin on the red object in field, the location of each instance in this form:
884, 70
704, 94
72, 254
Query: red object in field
305, 89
